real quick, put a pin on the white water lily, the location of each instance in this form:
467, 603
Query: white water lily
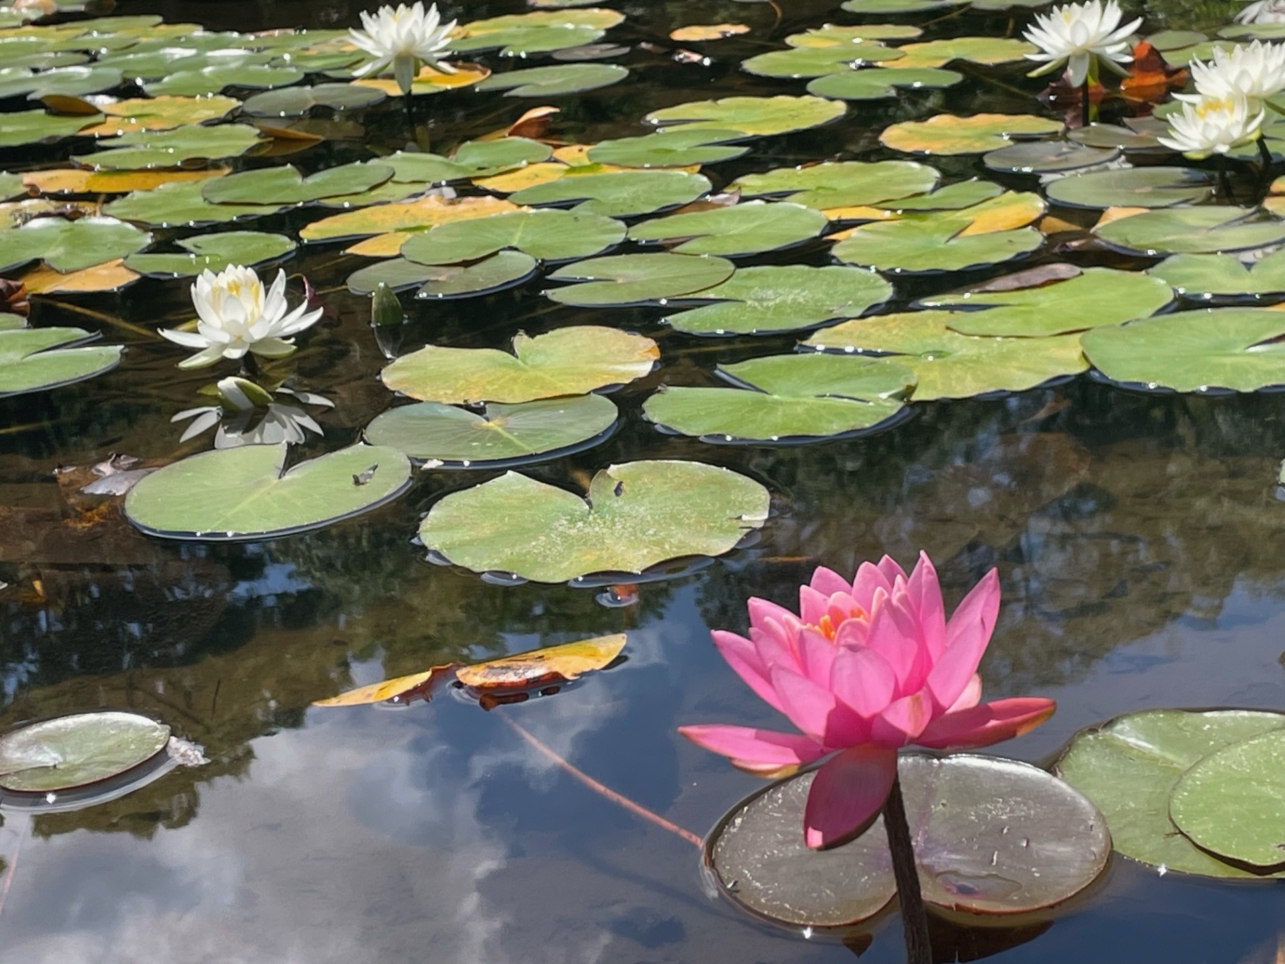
403, 39
1214, 125
1263, 11
1081, 35
1256, 70
235, 317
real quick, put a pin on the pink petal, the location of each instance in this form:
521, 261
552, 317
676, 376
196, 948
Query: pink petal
815, 710
868, 579
971, 696
893, 635
812, 605
890, 569
986, 724
902, 722
743, 657
925, 593
863, 680
761, 610
847, 793
775, 645
816, 656
967, 635
852, 634
827, 582
752, 746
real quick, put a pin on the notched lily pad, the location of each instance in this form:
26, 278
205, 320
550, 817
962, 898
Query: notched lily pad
500, 271
67, 245
638, 279
751, 227
73, 751
1139, 187
37, 359
546, 235
553, 81
1223, 278
618, 194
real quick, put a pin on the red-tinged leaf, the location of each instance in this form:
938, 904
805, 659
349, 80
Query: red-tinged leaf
541, 667
403, 689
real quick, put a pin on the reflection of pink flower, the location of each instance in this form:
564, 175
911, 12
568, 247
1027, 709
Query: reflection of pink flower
865, 668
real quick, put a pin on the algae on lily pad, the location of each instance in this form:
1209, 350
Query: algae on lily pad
752, 116
638, 515
497, 435
566, 361
247, 493
949, 134
636, 279
71, 751
546, 235
1223, 277
751, 227
36, 359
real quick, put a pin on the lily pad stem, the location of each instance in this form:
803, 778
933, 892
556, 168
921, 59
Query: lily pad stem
1085, 104
1224, 183
1264, 172
914, 919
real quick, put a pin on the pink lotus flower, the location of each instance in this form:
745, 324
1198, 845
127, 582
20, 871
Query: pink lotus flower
865, 668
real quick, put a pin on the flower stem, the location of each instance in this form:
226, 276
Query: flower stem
914, 919
1085, 103
1224, 183
1264, 173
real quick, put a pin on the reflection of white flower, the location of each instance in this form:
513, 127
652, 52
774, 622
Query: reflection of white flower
236, 317
1263, 11
403, 39
1256, 70
1079, 35
1213, 125
253, 417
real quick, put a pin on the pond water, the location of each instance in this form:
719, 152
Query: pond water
1137, 539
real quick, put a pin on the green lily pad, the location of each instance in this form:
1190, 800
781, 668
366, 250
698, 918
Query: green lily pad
949, 134
950, 365
566, 361
1208, 229
637, 279
869, 7
498, 435
147, 149
1194, 351
1093, 298
769, 299
792, 398
38, 359
1232, 802
212, 79
68, 81
881, 83
841, 183
181, 204
70, 245
989, 51
992, 836
952, 197
500, 271
552, 81
73, 751
757, 116
472, 159
285, 185
154, 64
1130, 767
213, 252
638, 515
35, 126
1223, 277
1048, 157
11, 186
797, 62
1139, 187
840, 35
1114, 137
296, 101
669, 148
540, 31
751, 227
246, 493
620, 194
10, 321
547, 235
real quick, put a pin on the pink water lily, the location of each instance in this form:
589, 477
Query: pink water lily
865, 668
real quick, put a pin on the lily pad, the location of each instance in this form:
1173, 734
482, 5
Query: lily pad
213, 252
950, 365
1194, 351
769, 299
881, 83
498, 435
471, 159
148, 148
181, 204
70, 245
1139, 187
296, 101
989, 51
37, 359
1223, 277
638, 515
1048, 157
552, 81
819, 61
68, 81
408, 216
1094, 298
1232, 802
546, 235
537, 32
757, 116
751, 227
791, 398
500, 271
618, 194
246, 493
72, 751
992, 836
1209, 229
637, 279
949, 134
566, 361
162, 113
899, 6
36, 126
214, 78
839, 35
1114, 137
669, 148
1130, 767
285, 185
836, 184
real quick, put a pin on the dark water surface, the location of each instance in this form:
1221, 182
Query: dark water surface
1138, 539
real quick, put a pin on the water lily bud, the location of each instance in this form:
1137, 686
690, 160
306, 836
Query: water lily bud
241, 394
385, 308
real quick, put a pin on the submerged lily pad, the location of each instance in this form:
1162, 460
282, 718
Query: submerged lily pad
1192, 230
949, 134
70, 245
637, 279
498, 435
751, 227
1194, 351
638, 515
547, 235
72, 751
841, 183
1223, 277
787, 398
770, 298
565, 361
1131, 766
1139, 187
213, 252
500, 271
992, 836
618, 194
758, 116
36, 359
245, 493
552, 81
